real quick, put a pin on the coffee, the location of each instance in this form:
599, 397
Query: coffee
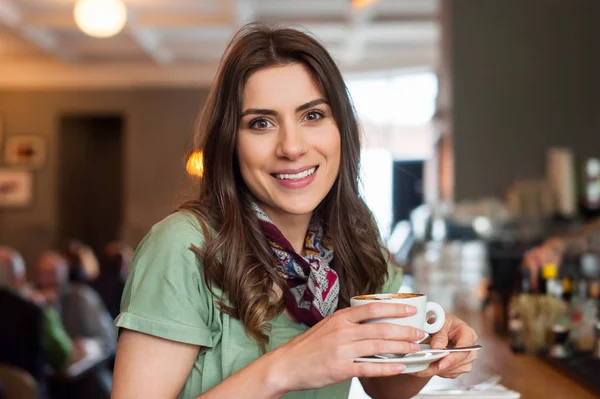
386, 297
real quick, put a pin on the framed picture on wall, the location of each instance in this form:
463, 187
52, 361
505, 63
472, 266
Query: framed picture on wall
16, 188
28, 151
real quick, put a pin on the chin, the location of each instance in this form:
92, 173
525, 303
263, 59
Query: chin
296, 207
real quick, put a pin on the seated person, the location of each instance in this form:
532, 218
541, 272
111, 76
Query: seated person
114, 268
82, 262
31, 336
81, 310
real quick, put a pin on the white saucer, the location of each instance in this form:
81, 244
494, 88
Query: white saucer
413, 362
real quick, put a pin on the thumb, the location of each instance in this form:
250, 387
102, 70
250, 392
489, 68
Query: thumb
440, 339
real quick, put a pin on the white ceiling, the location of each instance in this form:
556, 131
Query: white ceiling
179, 42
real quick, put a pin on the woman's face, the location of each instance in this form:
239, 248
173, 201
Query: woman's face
288, 144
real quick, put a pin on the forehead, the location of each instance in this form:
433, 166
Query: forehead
280, 87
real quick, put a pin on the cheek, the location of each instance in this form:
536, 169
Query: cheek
244, 154
333, 151
251, 157
327, 141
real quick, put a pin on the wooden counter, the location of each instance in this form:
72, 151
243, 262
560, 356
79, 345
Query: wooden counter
528, 375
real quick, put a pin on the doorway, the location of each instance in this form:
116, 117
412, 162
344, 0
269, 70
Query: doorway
90, 178
407, 189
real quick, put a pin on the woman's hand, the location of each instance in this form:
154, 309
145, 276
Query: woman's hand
550, 251
325, 354
456, 333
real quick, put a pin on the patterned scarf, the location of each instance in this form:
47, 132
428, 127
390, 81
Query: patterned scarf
313, 287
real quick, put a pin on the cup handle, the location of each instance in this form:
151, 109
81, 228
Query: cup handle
440, 317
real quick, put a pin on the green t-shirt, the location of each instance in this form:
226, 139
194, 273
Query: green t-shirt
166, 296
55, 341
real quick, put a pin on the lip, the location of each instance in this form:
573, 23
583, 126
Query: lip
295, 184
293, 171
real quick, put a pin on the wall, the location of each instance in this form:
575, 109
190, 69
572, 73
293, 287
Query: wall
158, 131
525, 76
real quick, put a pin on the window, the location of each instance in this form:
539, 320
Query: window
395, 112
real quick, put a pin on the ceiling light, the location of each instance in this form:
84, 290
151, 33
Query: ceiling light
362, 3
100, 18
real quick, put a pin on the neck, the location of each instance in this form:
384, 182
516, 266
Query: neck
293, 227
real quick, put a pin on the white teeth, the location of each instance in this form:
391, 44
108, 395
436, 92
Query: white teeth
297, 176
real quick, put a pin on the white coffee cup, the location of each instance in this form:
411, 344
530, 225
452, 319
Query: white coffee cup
418, 320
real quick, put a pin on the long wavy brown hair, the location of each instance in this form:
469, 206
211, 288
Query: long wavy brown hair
236, 256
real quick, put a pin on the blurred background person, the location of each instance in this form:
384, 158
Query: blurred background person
83, 264
114, 268
553, 250
81, 310
80, 307
32, 336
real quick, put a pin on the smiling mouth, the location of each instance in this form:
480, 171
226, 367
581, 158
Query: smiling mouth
295, 176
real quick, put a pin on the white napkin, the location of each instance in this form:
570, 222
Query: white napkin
497, 391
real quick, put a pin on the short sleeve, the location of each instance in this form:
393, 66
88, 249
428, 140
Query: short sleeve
165, 294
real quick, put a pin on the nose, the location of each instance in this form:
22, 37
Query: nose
292, 144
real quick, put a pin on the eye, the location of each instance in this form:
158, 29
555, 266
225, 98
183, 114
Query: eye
260, 124
314, 116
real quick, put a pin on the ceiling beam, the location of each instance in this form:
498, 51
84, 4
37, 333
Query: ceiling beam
12, 17
403, 18
206, 50
43, 74
168, 19
408, 7
356, 38
405, 32
52, 75
304, 8
238, 12
150, 42
417, 32
241, 11
143, 19
374, 67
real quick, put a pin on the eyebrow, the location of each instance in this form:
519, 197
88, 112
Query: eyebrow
264, 111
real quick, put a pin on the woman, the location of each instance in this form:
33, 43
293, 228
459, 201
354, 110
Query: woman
238, 294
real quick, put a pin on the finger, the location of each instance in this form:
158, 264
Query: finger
453, 361
440, 339
370, 347
450, 376
467, 368
428, 372
533, 277
462, 335
434, 369
378, 311
387, 331
376, 369
531, 262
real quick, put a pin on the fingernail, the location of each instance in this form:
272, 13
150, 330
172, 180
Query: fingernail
443, 365
420, 334
414, 347
411, 309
